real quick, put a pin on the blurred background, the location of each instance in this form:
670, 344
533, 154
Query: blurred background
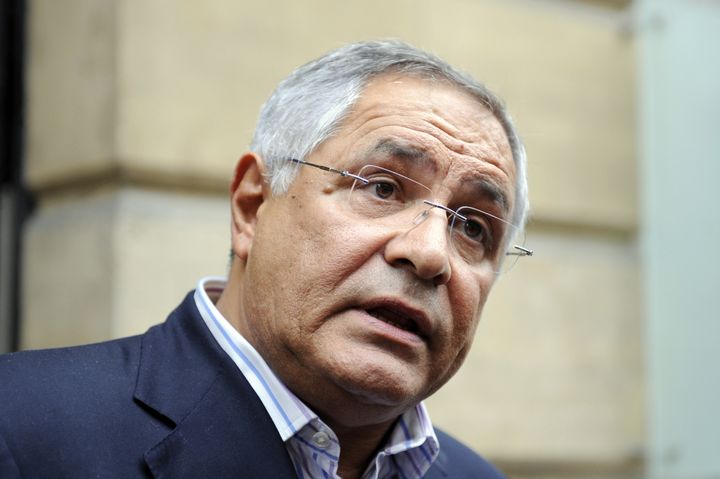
596, 358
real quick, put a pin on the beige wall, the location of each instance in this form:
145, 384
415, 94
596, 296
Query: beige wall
138, 110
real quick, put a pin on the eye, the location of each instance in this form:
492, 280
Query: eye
384, 190
475, 230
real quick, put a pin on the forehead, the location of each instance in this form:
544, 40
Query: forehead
432, 127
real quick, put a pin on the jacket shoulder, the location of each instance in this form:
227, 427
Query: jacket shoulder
77, 411
69, 367
58, 406
53, 384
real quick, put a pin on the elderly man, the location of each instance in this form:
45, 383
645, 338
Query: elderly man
383, 194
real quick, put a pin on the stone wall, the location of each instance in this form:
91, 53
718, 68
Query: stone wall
138, 110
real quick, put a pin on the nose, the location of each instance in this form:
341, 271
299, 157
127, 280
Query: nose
423, 248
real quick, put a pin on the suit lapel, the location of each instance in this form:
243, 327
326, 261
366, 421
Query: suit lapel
219, 425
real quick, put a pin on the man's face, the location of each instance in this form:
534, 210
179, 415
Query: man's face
351, 312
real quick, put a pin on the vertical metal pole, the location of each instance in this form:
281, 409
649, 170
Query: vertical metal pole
13, 197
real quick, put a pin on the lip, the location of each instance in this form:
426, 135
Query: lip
421, 322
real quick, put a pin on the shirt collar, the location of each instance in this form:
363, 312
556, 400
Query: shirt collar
287, 411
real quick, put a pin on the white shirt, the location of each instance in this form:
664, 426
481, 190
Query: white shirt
312, 445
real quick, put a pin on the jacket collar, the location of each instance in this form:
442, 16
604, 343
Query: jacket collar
219, 426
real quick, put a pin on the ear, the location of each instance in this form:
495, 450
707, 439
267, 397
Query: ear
247, 194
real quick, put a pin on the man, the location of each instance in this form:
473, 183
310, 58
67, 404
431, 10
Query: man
369, 222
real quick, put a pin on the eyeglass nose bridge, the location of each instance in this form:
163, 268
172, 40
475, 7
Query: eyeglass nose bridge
432, 204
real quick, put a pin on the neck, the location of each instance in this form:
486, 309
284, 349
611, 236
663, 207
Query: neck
358, 445
229, 302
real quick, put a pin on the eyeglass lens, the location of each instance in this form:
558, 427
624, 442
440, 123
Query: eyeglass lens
475, 235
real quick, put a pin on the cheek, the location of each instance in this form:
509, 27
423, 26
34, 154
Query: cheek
298, 263
333, 246
468, 303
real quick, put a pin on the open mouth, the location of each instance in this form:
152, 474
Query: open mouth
395, 318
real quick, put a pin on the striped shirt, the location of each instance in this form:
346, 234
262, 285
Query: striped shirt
313, 447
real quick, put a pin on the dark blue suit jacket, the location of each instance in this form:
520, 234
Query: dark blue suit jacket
169, 403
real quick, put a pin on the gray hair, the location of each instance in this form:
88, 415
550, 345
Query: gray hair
309, 106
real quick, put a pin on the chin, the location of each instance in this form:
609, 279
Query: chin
382, 384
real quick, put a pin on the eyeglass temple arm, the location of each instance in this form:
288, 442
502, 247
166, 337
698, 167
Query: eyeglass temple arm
521, 251
332, 170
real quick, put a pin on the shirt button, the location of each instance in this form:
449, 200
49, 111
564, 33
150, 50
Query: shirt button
321, 439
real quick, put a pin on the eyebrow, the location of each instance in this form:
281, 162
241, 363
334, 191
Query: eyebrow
403, 151
484, 187
491, 191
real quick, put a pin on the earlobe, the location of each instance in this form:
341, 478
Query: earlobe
247, 193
